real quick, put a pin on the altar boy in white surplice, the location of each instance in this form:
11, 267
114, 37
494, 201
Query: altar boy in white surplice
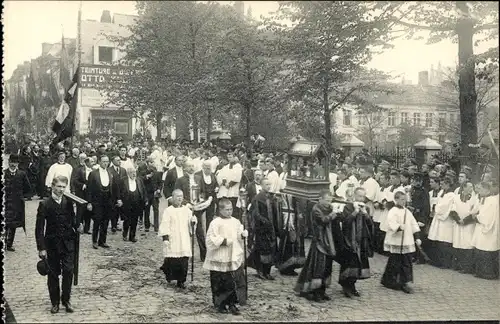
225, 258
465, 204
176, 230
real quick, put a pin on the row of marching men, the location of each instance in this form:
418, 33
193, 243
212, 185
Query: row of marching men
458, 220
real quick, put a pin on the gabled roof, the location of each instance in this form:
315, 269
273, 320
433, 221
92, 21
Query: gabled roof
352, 141
429, 144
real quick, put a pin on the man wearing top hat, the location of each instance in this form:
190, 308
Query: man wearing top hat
55, 233
16, 186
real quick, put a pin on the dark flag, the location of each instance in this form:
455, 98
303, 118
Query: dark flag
64, 73
32, 94
65, 120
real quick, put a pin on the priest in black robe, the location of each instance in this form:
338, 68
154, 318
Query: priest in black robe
354, 240
291, 251
316, 275
265, 219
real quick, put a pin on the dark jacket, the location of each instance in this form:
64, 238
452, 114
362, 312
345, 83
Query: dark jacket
94, 188
153, 183
54, 221
251, 191
207, 189
117, 177
125, 194
169, 183
16, 186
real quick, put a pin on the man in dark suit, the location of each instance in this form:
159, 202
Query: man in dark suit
134, 198
185, 184
253, 188
45, 163
151, 178
79, 179
102, 200
209, 187
55, 233
172, 176
118, 174
16, 187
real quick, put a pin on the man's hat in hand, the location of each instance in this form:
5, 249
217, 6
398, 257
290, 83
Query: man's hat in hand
43, 267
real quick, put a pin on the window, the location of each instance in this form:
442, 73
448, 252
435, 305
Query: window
105, 54
442, 119
361, 120
347, 117
428, 120
391, 119
416, 119
404, 118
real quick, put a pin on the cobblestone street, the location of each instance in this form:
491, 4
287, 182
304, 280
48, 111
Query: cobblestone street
124, 284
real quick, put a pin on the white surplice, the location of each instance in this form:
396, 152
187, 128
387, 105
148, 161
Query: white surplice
176, 223
400, 242
229, 257
462, 234
441, 228
486, 233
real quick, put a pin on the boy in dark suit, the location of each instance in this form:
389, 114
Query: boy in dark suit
55, 233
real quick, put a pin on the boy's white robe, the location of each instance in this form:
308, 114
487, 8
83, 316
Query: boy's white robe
441, 228
395, 218
462, 234
176, 223
229, 257
486, 232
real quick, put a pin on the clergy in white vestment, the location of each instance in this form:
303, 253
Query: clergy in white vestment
402, 233
485, 238
465, 204
229, 178
380, 212
388, 195
225, 259
370, 185
61, 168
176, 230
441, 229
347, 186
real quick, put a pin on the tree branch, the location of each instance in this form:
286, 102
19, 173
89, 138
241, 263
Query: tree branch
485, 27
430, 28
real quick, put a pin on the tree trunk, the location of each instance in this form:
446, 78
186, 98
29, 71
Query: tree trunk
248, 111
327, 117
195, 127
467, 80
209, 120
158, 126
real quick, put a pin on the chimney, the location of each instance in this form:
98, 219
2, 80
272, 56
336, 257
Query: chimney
46, 48
240, 8
423, 78
106, 16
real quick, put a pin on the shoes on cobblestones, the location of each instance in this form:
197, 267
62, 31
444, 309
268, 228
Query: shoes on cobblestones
356, 293
261, 276
125, 238
326, 297
133, 240
146, 230
407, 289
234, 310
347, 292
104, 245
54, 309
69, 308
181, 285
222, 309
289, 273
95, 246
118, 229
11, 249
269, 277
87, 233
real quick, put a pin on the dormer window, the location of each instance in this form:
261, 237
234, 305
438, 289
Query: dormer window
105, 54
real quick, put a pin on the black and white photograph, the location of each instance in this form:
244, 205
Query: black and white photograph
250, 161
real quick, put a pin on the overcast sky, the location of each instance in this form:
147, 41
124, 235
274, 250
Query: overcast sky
27, 24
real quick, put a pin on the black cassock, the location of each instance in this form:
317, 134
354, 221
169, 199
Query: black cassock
263, 213
354, 241
17, 186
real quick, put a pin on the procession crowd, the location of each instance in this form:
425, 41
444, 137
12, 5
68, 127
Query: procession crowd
234, 205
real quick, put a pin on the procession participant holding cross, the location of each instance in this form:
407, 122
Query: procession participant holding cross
55, 234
